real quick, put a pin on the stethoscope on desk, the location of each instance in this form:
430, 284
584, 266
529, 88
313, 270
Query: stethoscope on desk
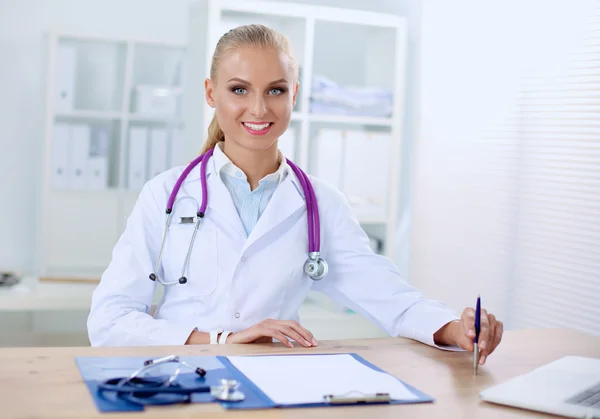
315, 267
160, 391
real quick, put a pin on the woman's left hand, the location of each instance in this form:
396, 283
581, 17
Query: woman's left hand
462, 332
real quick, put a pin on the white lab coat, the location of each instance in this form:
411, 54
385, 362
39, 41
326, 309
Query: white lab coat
236, 281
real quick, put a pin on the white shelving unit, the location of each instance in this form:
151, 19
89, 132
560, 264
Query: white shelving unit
351, 48
91, 82
79, 226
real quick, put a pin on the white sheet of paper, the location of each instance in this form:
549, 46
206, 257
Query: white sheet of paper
301, 379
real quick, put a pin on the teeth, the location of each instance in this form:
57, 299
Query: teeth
255, 127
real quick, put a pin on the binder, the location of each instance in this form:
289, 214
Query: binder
64, 93
138, 149
97, 166
61, 155
80, 149
95, 370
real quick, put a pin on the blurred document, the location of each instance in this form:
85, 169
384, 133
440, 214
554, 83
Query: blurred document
327, 156
138, 149
301, 379
158, 151
61, 150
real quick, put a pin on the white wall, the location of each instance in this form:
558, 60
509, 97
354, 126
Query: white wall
22, 50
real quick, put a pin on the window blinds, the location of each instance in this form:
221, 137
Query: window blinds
507, 188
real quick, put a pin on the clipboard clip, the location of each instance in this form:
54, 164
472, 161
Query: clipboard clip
356, 397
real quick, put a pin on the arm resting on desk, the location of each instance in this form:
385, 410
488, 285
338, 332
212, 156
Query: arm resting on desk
371, 284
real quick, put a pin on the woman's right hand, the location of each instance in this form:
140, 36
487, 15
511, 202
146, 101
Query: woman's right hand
282, 330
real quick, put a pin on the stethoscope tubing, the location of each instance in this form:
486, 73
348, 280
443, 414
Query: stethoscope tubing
152, 390
313, 220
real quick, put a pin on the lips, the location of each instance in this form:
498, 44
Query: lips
257, 128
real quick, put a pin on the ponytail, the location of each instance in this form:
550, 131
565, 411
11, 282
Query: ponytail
214, 135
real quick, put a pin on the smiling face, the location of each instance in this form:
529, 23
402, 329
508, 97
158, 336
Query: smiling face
253, 94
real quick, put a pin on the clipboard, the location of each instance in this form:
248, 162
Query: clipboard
329, 400
95, 370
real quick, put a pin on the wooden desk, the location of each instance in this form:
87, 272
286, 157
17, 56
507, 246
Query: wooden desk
45, 382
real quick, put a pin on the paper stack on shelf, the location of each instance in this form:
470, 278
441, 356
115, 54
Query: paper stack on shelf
327, 97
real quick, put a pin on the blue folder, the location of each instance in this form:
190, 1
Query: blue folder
95, 370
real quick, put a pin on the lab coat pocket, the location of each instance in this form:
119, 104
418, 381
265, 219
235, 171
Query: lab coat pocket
202, 268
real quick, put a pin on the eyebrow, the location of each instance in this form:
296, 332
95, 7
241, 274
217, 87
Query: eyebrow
250, 84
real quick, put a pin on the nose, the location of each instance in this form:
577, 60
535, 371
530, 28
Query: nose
259, 107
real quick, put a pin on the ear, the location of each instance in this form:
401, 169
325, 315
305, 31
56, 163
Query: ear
295, 93
209, 92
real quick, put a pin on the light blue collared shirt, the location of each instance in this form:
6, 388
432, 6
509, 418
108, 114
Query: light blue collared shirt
249, 204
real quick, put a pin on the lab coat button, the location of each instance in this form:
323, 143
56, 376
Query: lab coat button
237, 315
243, 259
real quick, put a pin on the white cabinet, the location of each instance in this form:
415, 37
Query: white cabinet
98, 91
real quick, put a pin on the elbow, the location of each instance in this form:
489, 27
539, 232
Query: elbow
101, 331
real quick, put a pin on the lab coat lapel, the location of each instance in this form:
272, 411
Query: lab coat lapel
220, 203
285, 202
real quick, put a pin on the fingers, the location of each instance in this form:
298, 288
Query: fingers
284, 330
280, 337
305, 333
489, 339
291, 332
467, 321
484, 333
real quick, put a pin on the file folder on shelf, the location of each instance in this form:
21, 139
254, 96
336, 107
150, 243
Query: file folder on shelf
258, 395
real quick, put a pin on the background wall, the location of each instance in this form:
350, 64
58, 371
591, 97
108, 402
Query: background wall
23, 24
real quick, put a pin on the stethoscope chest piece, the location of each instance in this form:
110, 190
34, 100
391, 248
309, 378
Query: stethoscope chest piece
315, 267
227, 391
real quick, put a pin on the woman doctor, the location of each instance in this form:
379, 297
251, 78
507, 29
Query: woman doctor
245, 278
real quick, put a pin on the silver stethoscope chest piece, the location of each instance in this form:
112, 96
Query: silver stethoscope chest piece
315, 267
227, 391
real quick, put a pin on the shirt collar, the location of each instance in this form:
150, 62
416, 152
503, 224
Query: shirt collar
225, 166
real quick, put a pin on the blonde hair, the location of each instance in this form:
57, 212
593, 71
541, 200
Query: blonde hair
248, 35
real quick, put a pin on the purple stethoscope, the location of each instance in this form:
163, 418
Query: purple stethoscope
315, 267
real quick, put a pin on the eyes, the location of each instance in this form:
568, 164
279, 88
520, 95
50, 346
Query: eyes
276, 91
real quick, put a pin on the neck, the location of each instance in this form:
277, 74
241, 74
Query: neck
256, 164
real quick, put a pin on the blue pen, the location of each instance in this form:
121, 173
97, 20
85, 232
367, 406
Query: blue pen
476, 338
